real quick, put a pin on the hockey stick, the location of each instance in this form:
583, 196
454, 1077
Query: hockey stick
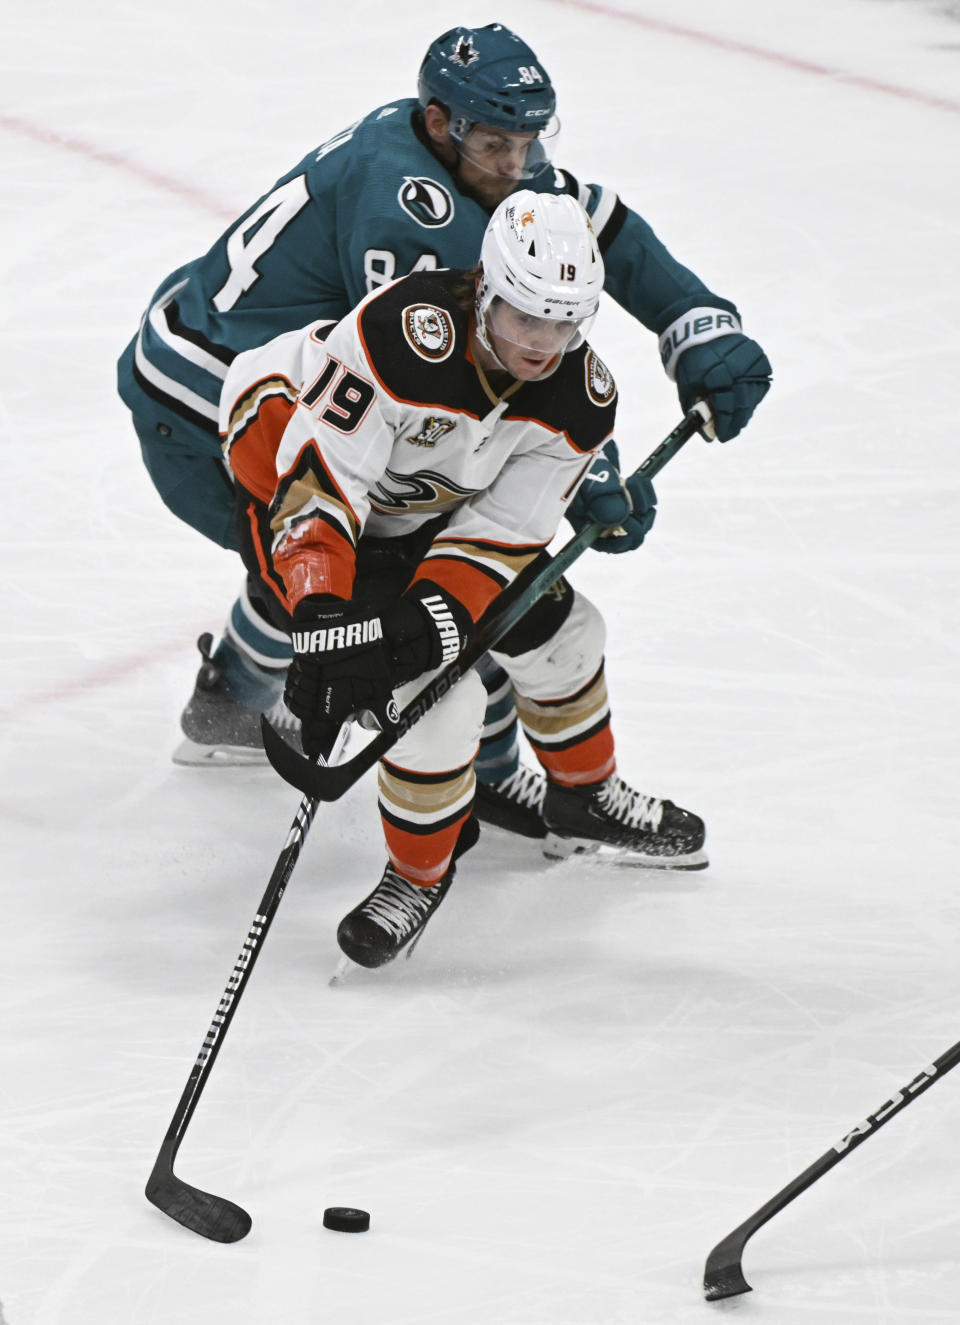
212, 1216
215, 1217
723, 1275
328, 783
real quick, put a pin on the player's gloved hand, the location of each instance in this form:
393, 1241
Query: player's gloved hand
731, 373
340, 667
348, 656
605, 498
426, 628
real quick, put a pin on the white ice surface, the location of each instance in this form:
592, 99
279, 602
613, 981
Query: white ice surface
584, 1078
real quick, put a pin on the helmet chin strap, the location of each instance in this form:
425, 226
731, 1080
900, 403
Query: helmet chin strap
481, 326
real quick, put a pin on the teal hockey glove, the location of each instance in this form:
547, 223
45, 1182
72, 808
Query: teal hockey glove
731, 373
607, 499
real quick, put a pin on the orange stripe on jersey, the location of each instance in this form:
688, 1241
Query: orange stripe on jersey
253, 455
514, 556
315, 558
557, 432
469, 584
268, 572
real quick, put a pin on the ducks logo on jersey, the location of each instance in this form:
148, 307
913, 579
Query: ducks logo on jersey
601, 388
429, 331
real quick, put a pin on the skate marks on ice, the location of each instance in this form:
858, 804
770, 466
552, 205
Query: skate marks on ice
510, 893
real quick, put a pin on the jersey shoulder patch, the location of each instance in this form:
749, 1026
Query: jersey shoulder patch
429, 331
601, 388
426, 200
415, 336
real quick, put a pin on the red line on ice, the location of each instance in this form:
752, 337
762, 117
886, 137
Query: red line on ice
116, 161
771, 57
102, 676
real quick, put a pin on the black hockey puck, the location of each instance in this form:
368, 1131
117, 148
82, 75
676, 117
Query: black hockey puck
346, 1220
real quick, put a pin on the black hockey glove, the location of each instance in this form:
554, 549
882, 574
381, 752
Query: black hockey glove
731, 373
427, 628
340, 666
348, 657
605, 498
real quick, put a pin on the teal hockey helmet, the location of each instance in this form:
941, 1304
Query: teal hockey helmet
487, 76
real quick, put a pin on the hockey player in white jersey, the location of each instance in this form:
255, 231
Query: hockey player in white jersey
439, 436
410, 187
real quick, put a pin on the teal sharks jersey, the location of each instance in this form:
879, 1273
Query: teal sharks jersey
371, 204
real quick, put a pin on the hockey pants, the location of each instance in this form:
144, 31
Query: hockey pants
427, 781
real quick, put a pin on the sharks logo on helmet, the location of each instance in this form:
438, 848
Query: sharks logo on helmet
488, 76
465, 52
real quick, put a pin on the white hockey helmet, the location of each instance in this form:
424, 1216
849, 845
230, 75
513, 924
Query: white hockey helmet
540, 256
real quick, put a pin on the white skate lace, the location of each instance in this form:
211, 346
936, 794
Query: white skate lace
630, 807
398, 906
527, 786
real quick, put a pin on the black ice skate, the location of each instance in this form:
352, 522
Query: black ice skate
612, 819
218, 729
515, 804
395, 914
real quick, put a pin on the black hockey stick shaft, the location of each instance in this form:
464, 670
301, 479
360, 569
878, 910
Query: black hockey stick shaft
212, 1216
723, 1275
331, 782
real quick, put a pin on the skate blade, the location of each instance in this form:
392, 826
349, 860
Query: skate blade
563, 848
190, 754
341, 974
346, 965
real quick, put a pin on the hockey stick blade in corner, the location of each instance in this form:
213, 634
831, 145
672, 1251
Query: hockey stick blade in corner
213, 1217
723, 1275
329, 783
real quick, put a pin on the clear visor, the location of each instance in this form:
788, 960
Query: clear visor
541, 335
507, 155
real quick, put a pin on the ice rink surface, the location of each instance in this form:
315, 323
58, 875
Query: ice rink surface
586, 1076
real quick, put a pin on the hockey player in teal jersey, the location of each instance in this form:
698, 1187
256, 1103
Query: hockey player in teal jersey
410, 187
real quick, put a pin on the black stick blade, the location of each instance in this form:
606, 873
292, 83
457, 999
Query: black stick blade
723, 1275
213, 1217
319, 781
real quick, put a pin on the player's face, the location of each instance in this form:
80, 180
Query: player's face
489, 163
525, 344
493, 163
